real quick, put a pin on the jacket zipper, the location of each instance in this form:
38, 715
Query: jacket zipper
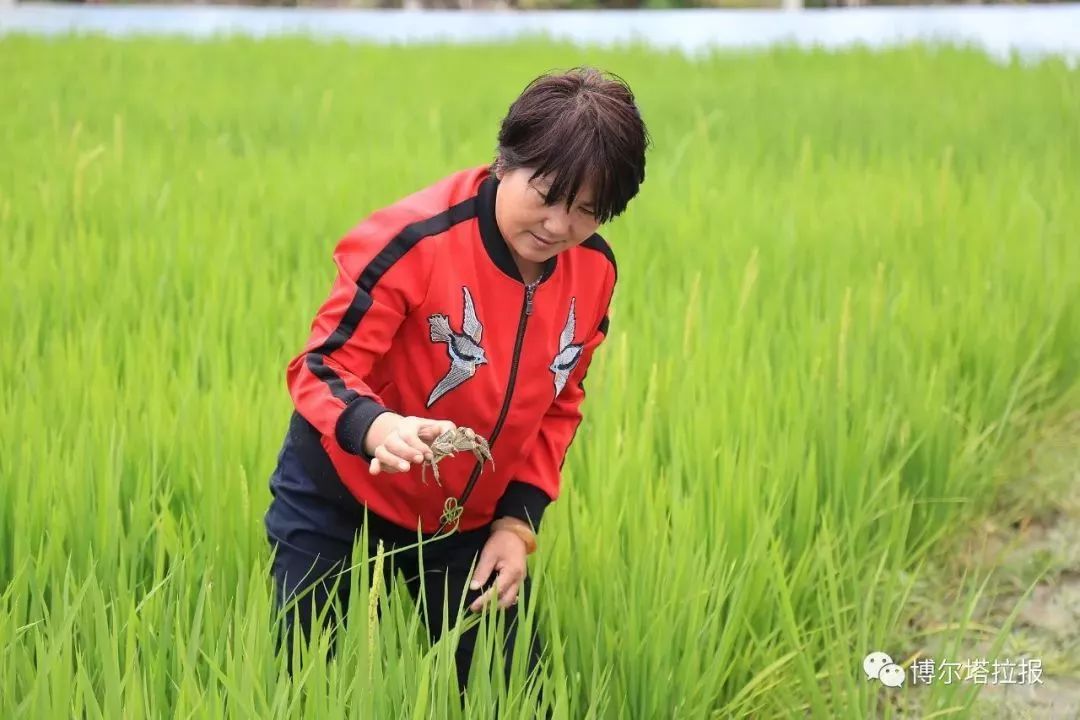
454, 508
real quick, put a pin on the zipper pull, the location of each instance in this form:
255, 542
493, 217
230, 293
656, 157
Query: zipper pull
451, 512
529, 290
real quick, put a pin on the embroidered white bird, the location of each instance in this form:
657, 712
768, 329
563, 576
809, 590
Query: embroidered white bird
463, 348
569, 353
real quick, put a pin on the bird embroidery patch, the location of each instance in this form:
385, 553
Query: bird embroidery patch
569, 353
463, 347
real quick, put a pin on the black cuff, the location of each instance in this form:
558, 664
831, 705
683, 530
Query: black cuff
523, 501
354, 422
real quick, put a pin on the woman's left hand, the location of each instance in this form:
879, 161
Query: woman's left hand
505, 553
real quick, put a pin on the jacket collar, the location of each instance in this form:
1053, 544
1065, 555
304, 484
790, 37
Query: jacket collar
494, 243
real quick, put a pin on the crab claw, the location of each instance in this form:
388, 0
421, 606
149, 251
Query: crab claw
481, 451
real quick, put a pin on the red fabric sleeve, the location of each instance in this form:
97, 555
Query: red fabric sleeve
536, 484
380, 277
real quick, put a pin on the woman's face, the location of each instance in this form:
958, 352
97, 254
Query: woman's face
534, 231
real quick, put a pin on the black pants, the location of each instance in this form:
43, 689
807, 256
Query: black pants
312, 522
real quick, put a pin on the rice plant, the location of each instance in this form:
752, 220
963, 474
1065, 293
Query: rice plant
851, 281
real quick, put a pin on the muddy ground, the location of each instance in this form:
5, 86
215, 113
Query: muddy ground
1032, 533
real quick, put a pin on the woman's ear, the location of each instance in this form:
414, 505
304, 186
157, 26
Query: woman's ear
499, 171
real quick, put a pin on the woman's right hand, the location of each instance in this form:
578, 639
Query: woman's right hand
395, 441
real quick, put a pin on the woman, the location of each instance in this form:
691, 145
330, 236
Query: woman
477, 302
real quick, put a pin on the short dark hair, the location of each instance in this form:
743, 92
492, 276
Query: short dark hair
577, 126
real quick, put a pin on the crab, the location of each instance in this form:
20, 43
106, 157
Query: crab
451, 442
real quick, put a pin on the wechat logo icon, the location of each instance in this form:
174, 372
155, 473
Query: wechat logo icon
879, 666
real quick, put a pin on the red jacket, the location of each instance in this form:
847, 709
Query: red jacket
429, 316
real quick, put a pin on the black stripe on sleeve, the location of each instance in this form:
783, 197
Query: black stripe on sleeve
597, 243
369, 277
600, 245
322, 371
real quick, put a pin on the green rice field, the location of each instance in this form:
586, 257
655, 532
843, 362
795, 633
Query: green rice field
850, 283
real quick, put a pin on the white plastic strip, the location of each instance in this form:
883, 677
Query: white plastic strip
1028, 31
